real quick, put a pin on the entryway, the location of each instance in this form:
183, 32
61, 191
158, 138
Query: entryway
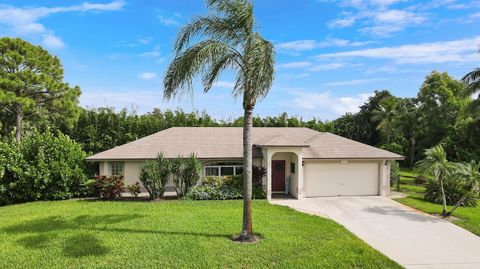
278, 176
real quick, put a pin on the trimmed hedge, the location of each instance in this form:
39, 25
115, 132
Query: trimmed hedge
223, 188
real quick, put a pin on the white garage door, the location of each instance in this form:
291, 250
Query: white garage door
334, 179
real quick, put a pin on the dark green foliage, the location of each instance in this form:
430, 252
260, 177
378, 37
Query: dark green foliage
223, 188
134, 189
32, 88
41, 167
154, 175
394, 173
258, 173
454, 191
109, 188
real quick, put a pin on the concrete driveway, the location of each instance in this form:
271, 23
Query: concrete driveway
411, 238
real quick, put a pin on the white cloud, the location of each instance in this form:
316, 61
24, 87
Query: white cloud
224, 84
147, 76
308, 44
378, 17
325, 103
25, 21
155, 53
353, 82
144, 40
455, 51
326, 67
52, 41
300, 64
168, 21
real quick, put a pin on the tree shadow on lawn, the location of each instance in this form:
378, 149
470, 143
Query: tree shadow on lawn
42, 233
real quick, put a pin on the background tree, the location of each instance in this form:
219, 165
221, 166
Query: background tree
31, 85
472, 81
225, 39
385, 115
440, 101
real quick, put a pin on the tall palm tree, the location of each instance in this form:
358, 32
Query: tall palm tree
384, 117
409, 124
436, 164
472, 80
225, 38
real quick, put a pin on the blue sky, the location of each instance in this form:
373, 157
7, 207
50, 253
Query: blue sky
331, 55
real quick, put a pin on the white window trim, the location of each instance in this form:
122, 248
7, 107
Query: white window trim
219, 167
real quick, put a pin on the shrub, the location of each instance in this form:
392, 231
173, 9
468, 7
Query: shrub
154, 175
258, 173
394, 173
222, 193
90, 188
134, 189
41, 166
186, 173
420, 180
454, 191
223, 188
109, 187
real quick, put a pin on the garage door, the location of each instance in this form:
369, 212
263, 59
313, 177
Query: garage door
335, 179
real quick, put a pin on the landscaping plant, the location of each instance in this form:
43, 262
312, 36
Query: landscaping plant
134, 189
42, 166
154, 175
185, 173
109, 188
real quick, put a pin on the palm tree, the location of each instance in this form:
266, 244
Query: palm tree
470, 174
225, 39
436, 164
472, 80
409, 123
384, 116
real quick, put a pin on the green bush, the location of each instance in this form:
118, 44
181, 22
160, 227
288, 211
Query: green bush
454, 191
41, 167
223, 188
134, 189
185, 173
154, 175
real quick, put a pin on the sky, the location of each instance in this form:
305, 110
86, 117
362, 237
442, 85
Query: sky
330, 55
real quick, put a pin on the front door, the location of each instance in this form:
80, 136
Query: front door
278, 175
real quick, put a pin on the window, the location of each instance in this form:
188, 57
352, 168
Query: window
223, 169
116, 168
292, 168
211, 171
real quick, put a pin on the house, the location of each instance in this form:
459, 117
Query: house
299, 161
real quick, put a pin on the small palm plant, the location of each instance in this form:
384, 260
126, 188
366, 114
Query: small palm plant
436, 164
470, 174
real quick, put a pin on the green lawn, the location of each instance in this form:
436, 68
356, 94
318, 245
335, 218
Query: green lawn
468, 217
195, 234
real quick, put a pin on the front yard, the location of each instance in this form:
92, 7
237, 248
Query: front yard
87, 234
466, 217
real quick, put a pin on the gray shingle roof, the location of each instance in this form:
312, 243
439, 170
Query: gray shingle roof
226, 143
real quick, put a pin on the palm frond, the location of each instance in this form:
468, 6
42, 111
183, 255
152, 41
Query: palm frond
472, 80
193, 61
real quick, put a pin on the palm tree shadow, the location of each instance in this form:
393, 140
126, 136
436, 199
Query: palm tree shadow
44, 233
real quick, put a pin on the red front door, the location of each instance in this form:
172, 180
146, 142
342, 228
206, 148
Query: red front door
278, 175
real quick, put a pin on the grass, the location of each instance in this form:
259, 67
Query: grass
178, 234
466, 217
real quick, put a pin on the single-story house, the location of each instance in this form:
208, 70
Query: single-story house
299, 161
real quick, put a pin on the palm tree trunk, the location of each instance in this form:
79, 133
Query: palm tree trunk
460, 202
444, 198
247, 229
18, 121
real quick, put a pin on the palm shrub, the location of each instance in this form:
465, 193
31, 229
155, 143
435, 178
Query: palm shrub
177, 166
258, 173
191, 172
154, 175
455, 192
436, 165
395, 174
